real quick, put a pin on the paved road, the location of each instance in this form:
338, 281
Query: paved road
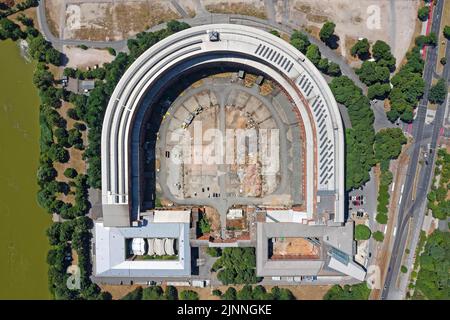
409, 207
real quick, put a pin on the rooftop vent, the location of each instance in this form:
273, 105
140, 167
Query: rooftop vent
214, 36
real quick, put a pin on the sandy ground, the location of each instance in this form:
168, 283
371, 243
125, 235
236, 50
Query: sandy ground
371, 19
295, 247
115, 20
254, 8
79, 58
300, 292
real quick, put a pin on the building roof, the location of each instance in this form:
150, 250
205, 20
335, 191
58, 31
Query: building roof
175, 216
339, 237
109, 251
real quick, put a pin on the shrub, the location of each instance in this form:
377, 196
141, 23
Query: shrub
378, 236
362, 232
70, 173
188, 295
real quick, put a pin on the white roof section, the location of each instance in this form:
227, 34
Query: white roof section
109, 251
351, 269
238, 44
138, 246
172, 216
286, 216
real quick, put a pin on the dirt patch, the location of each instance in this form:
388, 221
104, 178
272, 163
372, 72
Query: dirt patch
53, 12
300, 292
115, 21
214, 218
298, 248
248, 8
390, 21
79, 58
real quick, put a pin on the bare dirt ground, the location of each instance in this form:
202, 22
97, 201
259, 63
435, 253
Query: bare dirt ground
300, 292
79, 58
115, 20
374, 20
53, 10
255, 8
294, 247
76, 156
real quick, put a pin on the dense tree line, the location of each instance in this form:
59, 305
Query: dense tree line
236, 266
7, 8
433, 277
359, 138
157, 293
301, 42
438, 92
348, 292
74, 233
375, 74
437, 198
408, 87
255, 293
63, 237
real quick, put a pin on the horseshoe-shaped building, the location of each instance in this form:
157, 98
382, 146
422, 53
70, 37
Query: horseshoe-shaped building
193, 49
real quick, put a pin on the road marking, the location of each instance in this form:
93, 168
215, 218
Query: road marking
395, 231
400, 200
385, 228
403, 187
393, 186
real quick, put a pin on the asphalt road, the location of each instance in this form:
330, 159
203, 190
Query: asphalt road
409, 207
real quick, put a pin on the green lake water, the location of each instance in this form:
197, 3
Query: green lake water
23, 244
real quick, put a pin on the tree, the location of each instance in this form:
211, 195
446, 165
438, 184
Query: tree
245, 293
334, 69
275, 33
217, 293
313, 54
361, 49
388, 143
42, 78
152, 293
378, 236
381, 52
381, 218
282, 294
349, 292
403, 269
379, 91
438, 92
326, 33
46, 173
58, 153
70, 173
423, 13
443, 61
446, 32
171, 293
214, 252
230, 294
370, 73
362, 232
188, 295
53, 233
300, 41
236, 266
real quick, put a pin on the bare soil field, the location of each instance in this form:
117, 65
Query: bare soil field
79, 58
393, 22
255, 8
115, 20
300, 292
